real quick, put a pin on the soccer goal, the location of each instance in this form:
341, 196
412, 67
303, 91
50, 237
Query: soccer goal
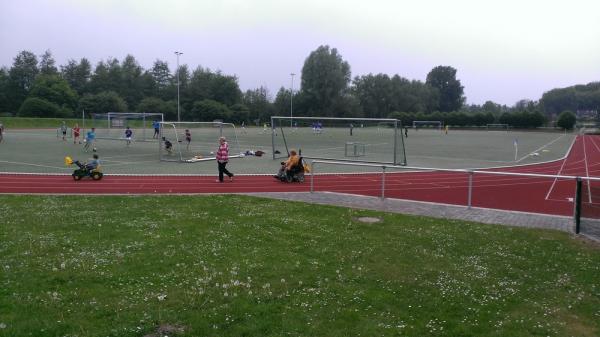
203, 141
112, 125
370, 140
434, 125
497, 127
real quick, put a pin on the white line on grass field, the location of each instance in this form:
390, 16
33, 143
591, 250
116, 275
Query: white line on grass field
541, 148
341, 147
29, 164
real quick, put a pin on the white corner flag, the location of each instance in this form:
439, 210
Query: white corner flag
516, 143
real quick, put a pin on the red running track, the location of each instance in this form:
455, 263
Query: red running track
528, 194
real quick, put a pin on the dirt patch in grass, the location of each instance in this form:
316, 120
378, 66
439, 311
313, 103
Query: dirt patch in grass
166, 330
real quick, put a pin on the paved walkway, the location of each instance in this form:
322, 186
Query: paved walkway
483, 215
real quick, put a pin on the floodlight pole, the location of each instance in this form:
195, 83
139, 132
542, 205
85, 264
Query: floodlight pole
177, 70
292, 102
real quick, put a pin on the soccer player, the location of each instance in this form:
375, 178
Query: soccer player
90, 139
351, 128
156, 126
128, 135
1, 132
76, 131
63, 129
168, 145
188, 138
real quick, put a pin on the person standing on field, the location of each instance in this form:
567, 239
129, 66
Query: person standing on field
76, 131
63, 130
222, 159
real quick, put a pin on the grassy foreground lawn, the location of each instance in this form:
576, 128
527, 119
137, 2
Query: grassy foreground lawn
240, 266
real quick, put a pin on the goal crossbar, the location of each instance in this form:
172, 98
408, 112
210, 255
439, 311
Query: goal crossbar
376, 140
202, 144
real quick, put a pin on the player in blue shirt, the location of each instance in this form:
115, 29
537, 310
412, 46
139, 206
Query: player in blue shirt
128, 135
156, 126
90, 139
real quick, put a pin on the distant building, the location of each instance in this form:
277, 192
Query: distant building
587, 114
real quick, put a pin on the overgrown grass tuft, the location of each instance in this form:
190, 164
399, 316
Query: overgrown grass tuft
241, 266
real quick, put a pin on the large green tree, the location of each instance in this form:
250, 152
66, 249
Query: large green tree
375, 94
162, 79
4, 102
21, 77
131, 81
578, 97
55, 89
77, 74
209, 110
103, 102
443, 78
258, 103
324, 84
48, 64
157, 105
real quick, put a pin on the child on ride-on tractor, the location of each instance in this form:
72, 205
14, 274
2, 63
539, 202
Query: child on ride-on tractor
91, 165
89, 169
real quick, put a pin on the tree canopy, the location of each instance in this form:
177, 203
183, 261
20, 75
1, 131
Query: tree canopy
326, 89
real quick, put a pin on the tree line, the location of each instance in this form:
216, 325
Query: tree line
36, 86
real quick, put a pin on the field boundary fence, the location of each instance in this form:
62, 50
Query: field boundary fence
584, 192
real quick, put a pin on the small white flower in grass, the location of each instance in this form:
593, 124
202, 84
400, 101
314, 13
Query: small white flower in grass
162, 297
2, 326
282, 280
63, 265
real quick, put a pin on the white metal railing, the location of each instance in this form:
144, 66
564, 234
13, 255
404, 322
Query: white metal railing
424, 169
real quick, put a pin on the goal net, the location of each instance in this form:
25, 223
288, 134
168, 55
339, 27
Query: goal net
497, 127
196, 141
371, 140
112, 125
434, 125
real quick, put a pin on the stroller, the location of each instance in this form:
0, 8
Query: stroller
295, 174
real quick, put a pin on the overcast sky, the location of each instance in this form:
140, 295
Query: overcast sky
504, 50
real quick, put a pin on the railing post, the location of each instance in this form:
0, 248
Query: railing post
577, 214
383, 182
470, 195
312, 176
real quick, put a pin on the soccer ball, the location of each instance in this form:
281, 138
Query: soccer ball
94, 149
212, 152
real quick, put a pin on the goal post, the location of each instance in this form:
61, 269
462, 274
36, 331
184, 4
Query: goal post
369, 140
497, 127
203, 141
436, 125
112, 125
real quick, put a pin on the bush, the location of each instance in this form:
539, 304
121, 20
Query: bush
106, 101
37, 107
566, 120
